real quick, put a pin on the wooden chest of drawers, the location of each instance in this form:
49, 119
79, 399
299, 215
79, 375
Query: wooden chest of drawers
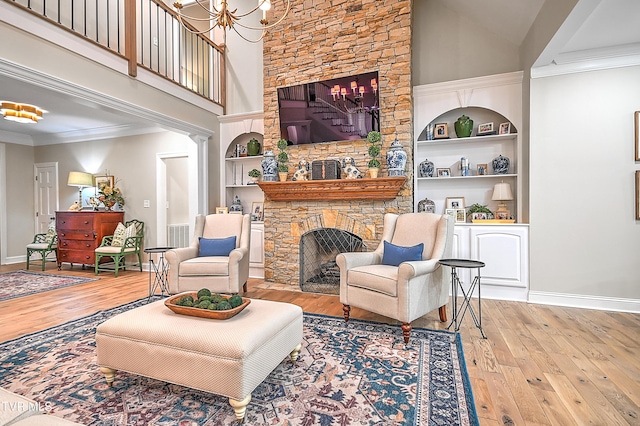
80, 233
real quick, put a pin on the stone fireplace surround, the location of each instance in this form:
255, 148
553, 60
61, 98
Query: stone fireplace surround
324, 39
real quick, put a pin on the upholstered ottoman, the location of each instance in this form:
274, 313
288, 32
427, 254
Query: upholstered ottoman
235, 354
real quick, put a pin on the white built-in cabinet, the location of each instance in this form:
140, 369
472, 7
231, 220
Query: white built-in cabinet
498, 99
234, 180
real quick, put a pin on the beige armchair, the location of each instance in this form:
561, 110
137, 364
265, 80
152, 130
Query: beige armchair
410, 290
219, 273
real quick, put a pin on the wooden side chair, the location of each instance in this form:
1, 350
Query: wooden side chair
44, 244
125, 241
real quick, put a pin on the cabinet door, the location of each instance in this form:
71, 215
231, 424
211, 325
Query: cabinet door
256, 254
504, 250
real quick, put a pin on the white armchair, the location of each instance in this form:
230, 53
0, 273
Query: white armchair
191, 268
411, 289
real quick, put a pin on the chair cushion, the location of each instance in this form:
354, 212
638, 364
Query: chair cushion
209, 265
114, 249
380, 278
216, 246
394, 255
40, 246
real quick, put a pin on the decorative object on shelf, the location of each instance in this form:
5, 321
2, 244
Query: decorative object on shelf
224, 16
454, 203
76, 206
254, 174
253, 147
463, 126
443, 172
222, 210
302, 171
502, 193
241, 150
425, 169
374, 151
427, 205
108, 194
269, 166
94, 203
441, 131
479, 212
325, 169
257, 211
236, 205
396, 159
464, 166
504, 129
349, 168
485, 129
482, 169
283, 157
429, 132
501, 165
81, 180
459, 215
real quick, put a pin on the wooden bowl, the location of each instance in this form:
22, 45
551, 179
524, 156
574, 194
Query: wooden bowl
203, 313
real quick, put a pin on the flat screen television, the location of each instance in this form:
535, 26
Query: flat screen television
331, 110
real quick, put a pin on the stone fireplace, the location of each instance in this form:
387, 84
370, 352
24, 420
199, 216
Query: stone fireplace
320, 40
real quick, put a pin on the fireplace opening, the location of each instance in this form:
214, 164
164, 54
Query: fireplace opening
319, 272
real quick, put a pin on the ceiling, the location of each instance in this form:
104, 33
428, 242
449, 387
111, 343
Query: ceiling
607, 27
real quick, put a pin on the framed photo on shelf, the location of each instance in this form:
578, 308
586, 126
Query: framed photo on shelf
222, 210
454, 203
104, 180
257, 211
441, 131
637, 121
459, 215
482, 169
485, 129
503, 215
443, 172
505, 129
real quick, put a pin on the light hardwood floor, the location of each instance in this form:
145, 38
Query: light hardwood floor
540, 365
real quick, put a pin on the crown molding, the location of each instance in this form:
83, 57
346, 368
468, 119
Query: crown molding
469, 83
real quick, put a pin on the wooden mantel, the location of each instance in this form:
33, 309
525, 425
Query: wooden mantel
382, 188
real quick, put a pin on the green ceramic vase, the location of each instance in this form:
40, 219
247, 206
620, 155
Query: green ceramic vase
464, 127
253, 147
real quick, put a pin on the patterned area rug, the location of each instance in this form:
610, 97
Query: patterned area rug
22, 283
360, 373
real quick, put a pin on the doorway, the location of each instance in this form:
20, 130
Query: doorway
46, 195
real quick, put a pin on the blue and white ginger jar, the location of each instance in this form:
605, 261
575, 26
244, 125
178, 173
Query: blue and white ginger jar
269, 167
396, 159
236, 205
501, 165
425, 169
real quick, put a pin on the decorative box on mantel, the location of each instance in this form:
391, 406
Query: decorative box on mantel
383, 188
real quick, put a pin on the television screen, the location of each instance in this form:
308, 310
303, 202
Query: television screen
331, 110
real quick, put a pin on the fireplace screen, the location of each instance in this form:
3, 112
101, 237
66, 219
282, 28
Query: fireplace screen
319, 272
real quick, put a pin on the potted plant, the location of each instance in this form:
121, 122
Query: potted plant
283, 157
374, 151
254, 174
478, 212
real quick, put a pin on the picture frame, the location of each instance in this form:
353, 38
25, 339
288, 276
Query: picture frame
104, 179
222, 210
257, 211
485, 128
454, 203
637, 194
443, 172
482, 169
503, 215
459, 215
504, 129
637, 126
441, 131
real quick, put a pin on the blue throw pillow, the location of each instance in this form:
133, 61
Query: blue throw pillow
216, 246
394, 255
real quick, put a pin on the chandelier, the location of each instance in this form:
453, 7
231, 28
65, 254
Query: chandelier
21, 113
221, 16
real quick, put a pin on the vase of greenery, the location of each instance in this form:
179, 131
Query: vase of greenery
374, 151
254, 174
283, 158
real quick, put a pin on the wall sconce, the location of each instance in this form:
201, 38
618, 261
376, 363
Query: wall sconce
81, 180
501, 193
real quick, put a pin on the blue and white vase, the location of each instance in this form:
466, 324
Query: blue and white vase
269, 167
236, 205
396, 159
500, 165
425, 169
427, 206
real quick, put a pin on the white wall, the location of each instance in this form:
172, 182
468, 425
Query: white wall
584, 237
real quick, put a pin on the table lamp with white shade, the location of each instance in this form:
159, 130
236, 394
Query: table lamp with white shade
81, 180
502, 193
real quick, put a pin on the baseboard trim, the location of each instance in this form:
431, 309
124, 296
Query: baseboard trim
600, 303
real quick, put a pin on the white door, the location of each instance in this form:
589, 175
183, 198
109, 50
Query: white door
46, 194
